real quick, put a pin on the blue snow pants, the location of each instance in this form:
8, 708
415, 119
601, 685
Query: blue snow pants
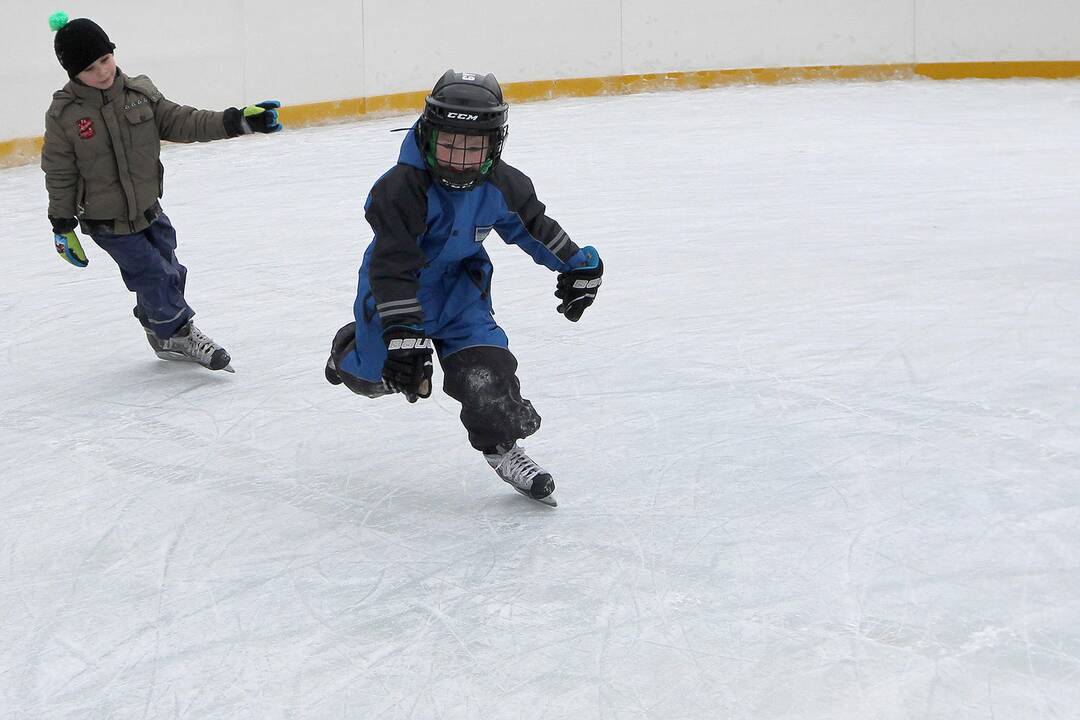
457, 315
479, 371
149, 268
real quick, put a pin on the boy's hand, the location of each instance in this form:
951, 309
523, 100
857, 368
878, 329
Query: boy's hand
261, 117
70, 248
577, 288
408, 367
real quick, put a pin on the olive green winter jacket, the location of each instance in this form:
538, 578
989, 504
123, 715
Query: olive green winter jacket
102, 148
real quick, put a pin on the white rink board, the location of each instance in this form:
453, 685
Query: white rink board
998, 31
218, 54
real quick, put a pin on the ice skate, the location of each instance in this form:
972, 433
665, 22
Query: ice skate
524, 475
343, 343
331, 372
190, 344
357, 385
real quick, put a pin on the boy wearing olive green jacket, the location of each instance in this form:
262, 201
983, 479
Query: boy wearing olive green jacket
103, 136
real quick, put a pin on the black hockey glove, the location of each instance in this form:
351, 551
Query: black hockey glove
577, 288
408, 367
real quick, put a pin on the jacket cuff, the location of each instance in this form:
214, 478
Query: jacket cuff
63, 225
234, 122
400, 312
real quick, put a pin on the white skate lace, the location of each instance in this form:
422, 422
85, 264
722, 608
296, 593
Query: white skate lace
196, 345
201, 346
517, 468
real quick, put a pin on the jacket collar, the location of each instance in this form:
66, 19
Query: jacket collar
410, 150
93, 97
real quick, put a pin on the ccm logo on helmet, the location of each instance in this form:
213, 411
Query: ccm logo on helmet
462, 116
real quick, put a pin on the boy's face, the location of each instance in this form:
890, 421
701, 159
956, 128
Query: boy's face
461, 152
101, 74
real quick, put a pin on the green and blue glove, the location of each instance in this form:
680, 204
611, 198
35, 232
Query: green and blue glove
262, 117
258, 118
67, 244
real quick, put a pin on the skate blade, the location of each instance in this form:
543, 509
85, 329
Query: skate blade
180, 357
550, 500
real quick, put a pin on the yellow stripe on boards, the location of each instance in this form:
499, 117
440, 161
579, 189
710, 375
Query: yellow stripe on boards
626, 84
396, 104
20, 151
1051, 70
315, 113
26, 150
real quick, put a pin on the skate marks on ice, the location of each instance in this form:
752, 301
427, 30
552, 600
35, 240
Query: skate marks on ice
815, 443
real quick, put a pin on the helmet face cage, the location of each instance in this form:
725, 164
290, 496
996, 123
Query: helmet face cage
460, 160
463, 129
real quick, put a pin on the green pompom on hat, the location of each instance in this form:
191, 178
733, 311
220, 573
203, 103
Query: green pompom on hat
58, 20
78, 43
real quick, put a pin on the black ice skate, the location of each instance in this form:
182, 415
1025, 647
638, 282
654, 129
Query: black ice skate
331, 372
357, 385
190, 344
515, 467
344, 342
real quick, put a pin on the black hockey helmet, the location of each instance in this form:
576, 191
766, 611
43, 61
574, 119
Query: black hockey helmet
470, 108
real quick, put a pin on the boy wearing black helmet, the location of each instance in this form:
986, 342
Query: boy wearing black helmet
425, 279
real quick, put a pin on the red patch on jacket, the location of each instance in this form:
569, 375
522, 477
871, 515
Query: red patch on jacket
86, 128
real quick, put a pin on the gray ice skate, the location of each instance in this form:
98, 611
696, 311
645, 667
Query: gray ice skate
515, 467
190, 344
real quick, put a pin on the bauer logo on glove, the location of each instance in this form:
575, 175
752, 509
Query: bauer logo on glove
407, 368
410, 344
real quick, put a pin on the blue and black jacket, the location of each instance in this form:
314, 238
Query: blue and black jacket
428, 257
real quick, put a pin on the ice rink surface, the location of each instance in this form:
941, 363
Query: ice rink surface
817, 444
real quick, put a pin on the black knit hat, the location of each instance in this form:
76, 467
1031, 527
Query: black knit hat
78, 43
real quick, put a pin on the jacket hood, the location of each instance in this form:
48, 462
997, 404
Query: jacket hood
410, 149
